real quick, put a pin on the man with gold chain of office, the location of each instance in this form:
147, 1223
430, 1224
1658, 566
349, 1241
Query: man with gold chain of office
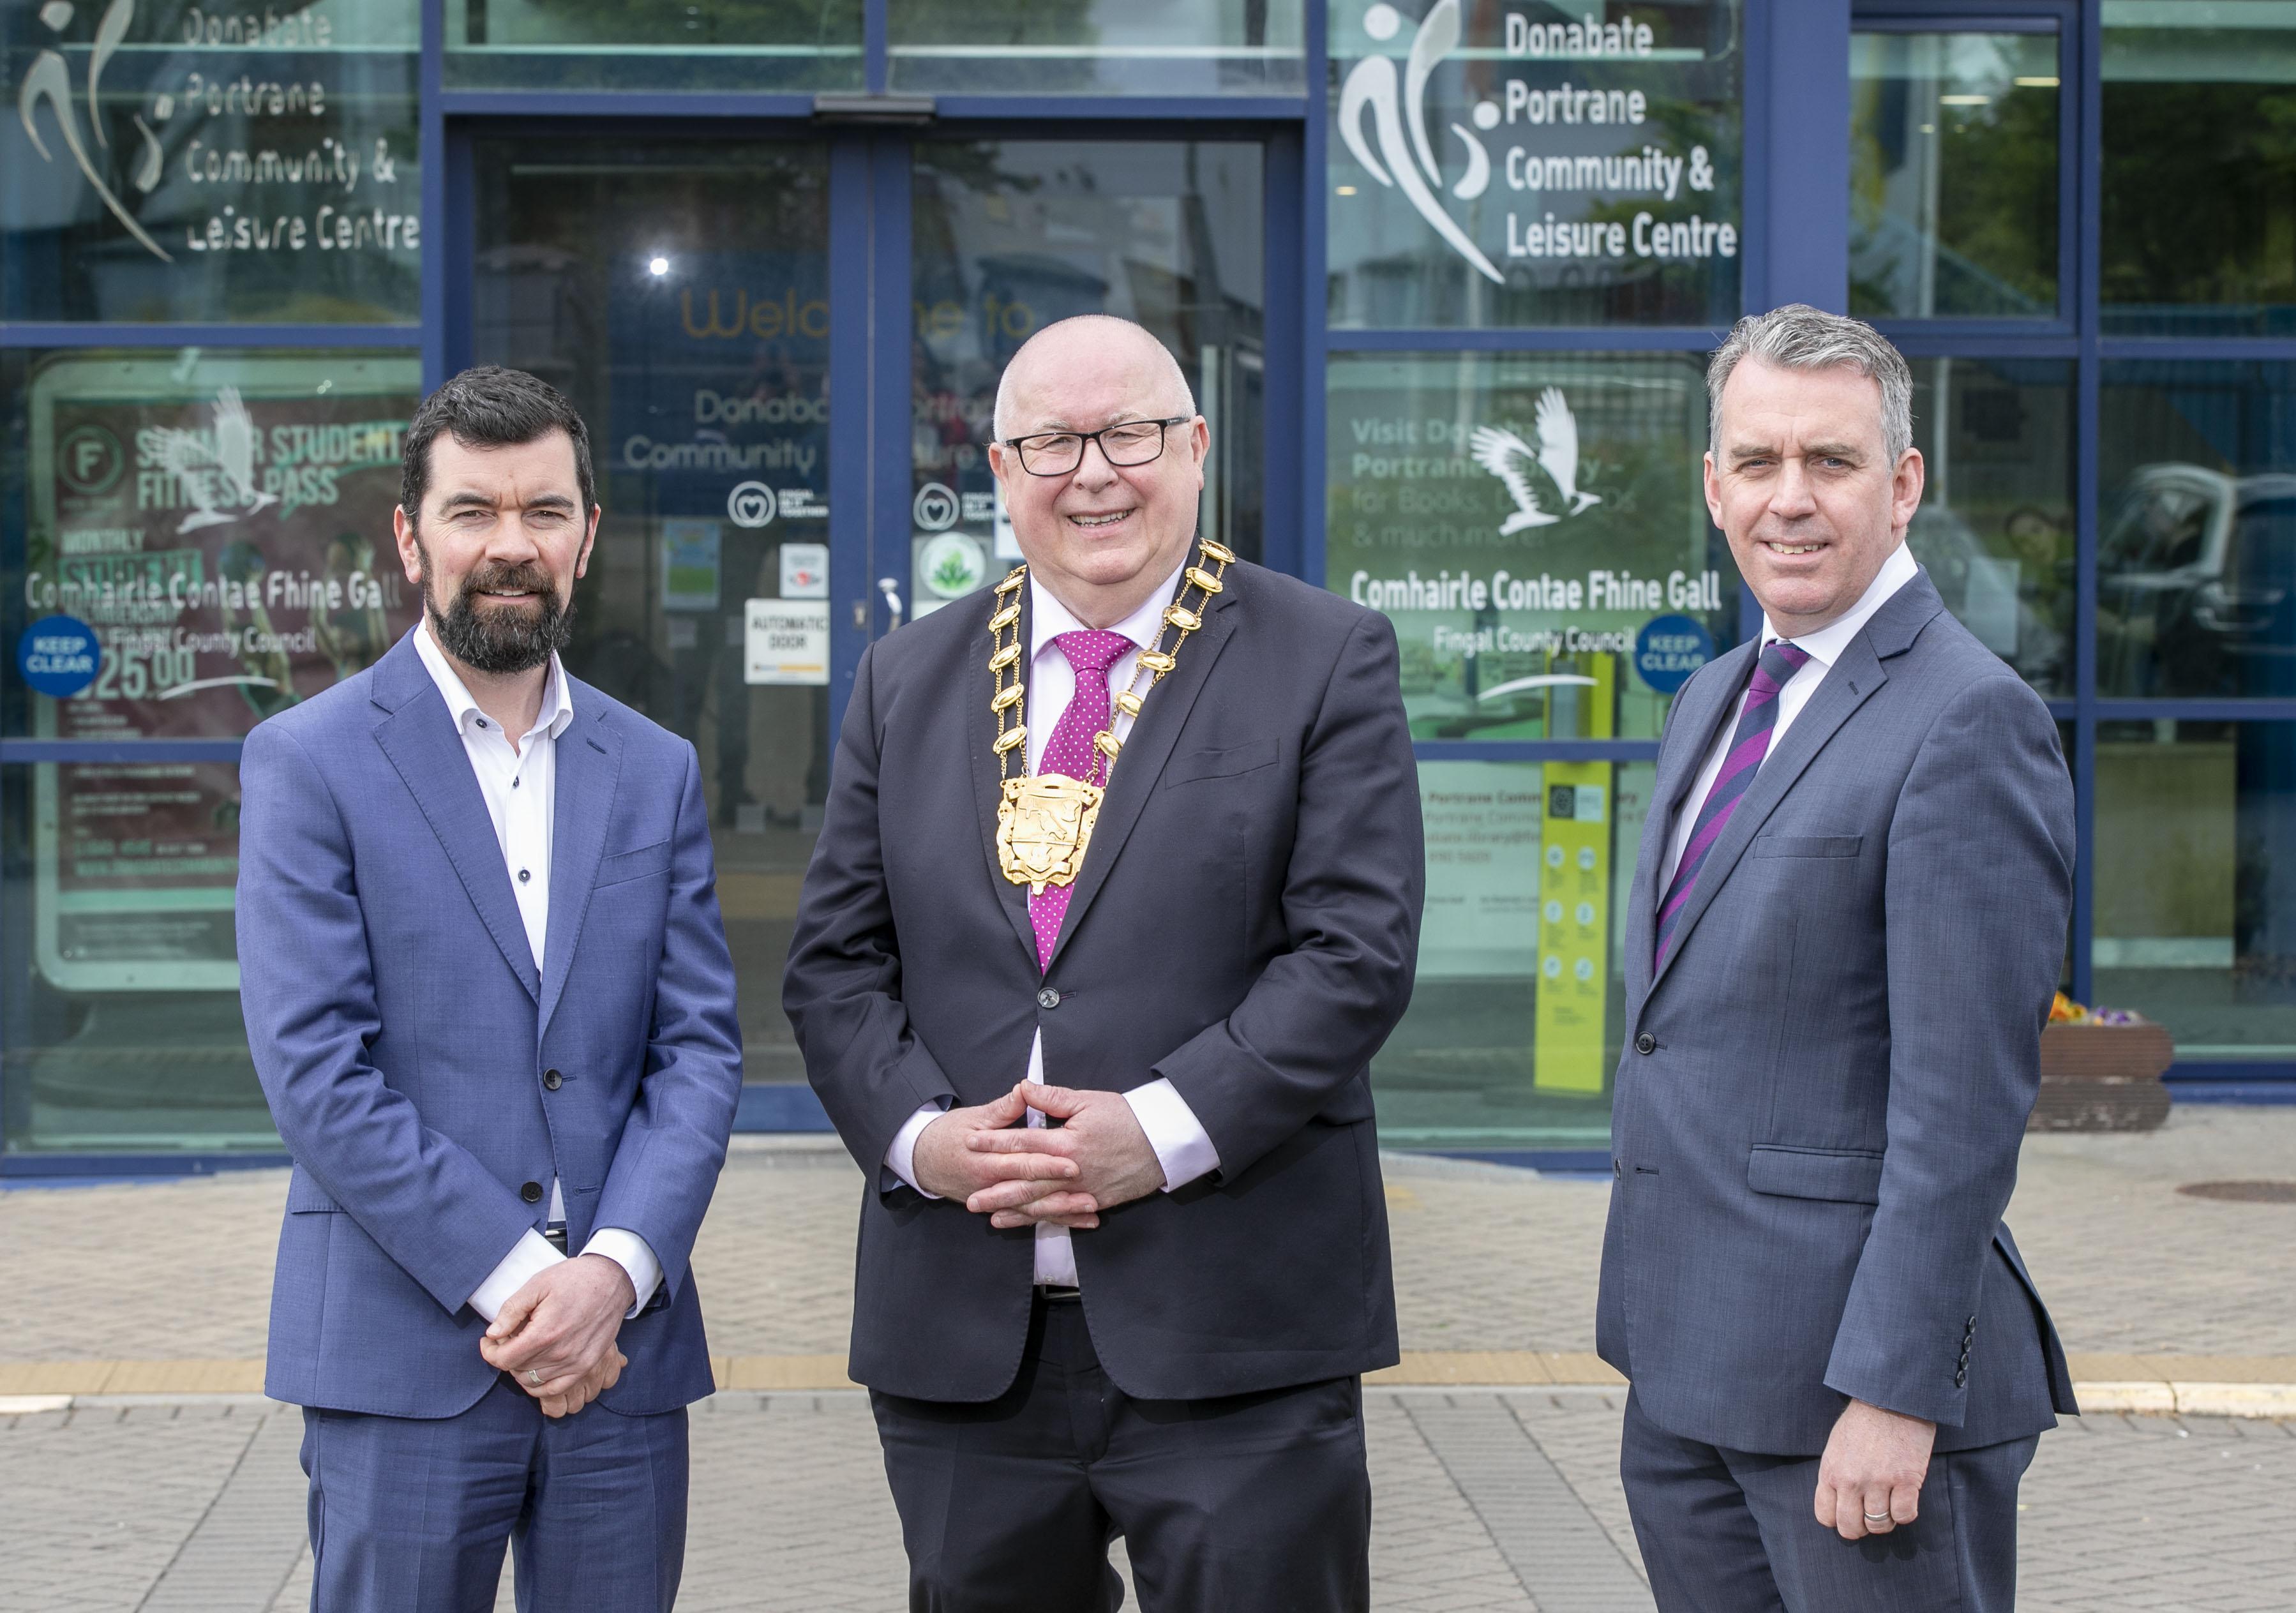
1117, 894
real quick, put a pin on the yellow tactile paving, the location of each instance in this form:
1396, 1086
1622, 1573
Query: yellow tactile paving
2217, 1386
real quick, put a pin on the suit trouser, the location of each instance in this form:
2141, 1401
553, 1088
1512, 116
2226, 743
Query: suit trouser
1248, 1504
410, 1515
1727, 1531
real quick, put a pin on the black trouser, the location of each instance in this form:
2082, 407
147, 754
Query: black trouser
1248, 1504
1731, 1532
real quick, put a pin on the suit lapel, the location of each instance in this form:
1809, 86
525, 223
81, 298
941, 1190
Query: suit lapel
417, 733
1849, 684
588, 763
980, 686
1146, 749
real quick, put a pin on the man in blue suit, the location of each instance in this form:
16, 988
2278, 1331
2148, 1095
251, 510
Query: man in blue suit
490, 998
1846, 927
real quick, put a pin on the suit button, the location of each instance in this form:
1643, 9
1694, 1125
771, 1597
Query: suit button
1960, 1378
552, 1080
1646, 1043
1048, 998
1615, 1169
531, 1193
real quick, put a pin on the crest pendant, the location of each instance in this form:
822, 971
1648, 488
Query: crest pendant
1044, 824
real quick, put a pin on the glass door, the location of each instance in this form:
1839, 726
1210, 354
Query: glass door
679, 293
696, 298
1009, 235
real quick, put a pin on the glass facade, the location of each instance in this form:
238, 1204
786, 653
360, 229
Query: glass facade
1953, 174
1443, 274
1522, 519
1599, 183
2198, 225
638, 45
1098, 47
187, 164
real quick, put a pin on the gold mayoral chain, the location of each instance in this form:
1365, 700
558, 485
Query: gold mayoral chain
1043, 822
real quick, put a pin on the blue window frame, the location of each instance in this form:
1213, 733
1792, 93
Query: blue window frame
1796, 102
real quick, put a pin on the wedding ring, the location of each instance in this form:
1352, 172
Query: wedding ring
534, 1376
1877, 1518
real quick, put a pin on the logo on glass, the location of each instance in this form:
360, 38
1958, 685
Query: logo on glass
49, 79
1512, 460
1397, 107
751, 503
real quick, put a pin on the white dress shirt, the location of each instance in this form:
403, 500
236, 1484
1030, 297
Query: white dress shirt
519, 786
1825, 647
1181, 1146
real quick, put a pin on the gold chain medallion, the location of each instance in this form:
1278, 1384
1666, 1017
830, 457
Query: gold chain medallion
1044, 821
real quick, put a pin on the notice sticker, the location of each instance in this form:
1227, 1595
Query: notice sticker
58, 655
788, 640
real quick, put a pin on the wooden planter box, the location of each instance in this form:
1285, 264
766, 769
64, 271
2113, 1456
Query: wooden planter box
2102, 1079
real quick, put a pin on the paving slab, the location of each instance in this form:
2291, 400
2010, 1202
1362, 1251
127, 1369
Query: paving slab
1486, 1503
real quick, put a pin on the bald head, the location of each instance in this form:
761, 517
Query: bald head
1123, 353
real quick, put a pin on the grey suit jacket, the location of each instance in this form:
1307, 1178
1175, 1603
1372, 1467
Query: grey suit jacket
1820, 1099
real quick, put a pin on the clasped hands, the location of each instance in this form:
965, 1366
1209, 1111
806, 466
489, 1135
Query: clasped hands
560, 1328
1097, 1158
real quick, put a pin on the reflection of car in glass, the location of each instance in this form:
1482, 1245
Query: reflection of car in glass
2196, 585
1983, 590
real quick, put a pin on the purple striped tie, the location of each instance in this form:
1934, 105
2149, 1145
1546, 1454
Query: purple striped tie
1757, 719
1090, 652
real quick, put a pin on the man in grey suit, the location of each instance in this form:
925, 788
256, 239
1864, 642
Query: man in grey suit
1846, 927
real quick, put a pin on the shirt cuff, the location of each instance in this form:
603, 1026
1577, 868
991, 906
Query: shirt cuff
1181, 1146
900, 1159
628, 1250
530, 1254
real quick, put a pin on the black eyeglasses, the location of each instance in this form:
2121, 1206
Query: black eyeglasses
1132, 442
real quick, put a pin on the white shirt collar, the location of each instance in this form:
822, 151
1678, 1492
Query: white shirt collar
1827, 644
1048, 618
557, 697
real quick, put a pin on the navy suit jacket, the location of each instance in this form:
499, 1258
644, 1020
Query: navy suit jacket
1245, 926
402, 1035
1821, 1098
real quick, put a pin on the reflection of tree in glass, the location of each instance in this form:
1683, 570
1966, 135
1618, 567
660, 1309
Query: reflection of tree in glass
736, 22
2200, 188
996, 23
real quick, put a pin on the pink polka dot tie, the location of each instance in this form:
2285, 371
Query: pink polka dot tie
1091, 652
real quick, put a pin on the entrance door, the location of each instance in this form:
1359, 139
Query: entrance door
791, 456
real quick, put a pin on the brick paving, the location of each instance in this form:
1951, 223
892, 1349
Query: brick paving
1486, 1257
1484, 1500
1486, 1503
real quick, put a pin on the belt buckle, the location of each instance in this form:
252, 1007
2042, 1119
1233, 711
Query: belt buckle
1059, 1293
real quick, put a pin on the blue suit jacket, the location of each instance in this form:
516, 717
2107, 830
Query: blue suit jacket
1822, 1095
402, 1035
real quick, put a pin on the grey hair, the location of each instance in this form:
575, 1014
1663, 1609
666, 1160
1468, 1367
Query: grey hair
1799, 337
1001, 422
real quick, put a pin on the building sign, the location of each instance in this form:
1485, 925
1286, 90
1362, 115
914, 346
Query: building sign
1521, 519
183, 163
720, 394
222, 526
1539, 147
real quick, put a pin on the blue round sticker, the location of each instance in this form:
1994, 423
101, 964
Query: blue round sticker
1670, 649
58, 655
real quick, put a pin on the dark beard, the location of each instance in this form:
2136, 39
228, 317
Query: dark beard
500, 641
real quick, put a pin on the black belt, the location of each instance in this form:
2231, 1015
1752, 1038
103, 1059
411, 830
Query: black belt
1059, 1293
556, 1235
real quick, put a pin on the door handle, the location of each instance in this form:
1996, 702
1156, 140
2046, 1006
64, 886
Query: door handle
890, 587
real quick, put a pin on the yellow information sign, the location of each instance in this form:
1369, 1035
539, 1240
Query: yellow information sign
1574, 906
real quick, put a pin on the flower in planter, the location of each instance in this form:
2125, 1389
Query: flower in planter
2064, 1010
